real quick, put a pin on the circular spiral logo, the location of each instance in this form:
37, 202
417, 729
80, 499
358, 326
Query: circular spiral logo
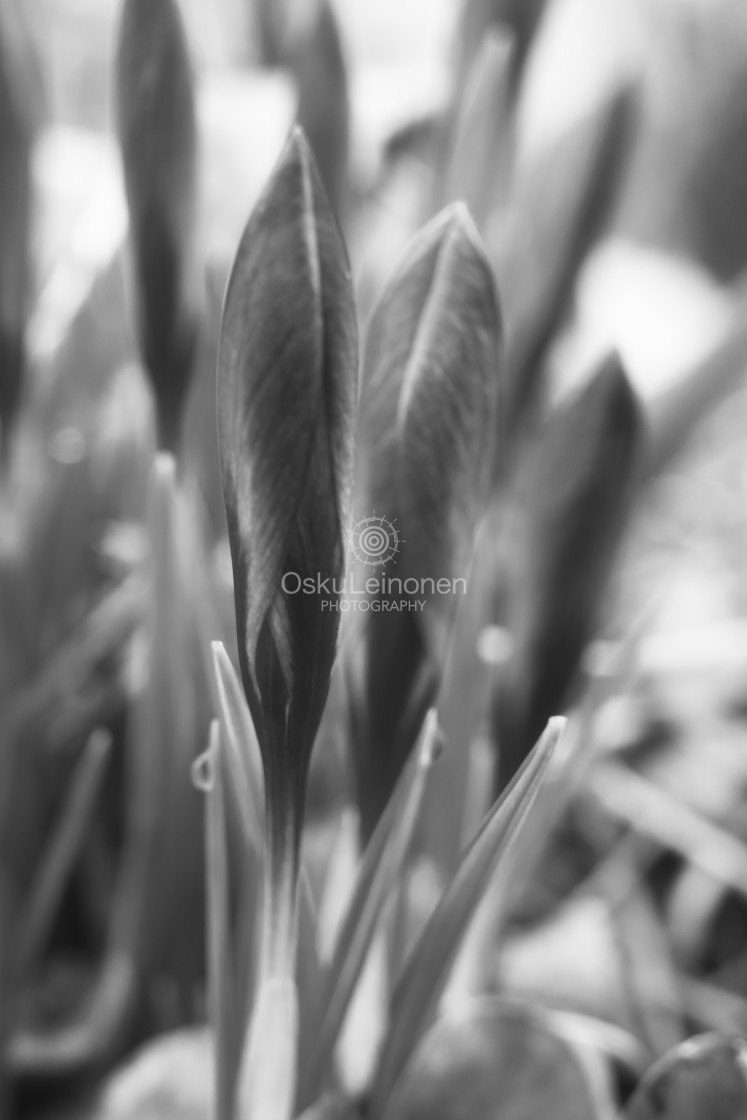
374, 541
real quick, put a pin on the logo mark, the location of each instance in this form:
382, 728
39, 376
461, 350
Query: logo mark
374, 541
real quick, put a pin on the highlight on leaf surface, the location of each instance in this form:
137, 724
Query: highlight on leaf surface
431, 378
564, 198
480, 147
567, 514
158, 138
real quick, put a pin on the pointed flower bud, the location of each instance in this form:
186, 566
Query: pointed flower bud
287, 383
431, 376
157, 134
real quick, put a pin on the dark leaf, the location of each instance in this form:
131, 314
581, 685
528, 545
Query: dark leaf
157, 133
287, 378
565, 522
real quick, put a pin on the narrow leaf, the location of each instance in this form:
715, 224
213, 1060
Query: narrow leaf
675, 414
317, 62
421, 985
520, 18
381, 868
478, 161
62, 851
564, 198
268, 1083
286, 394
220, 978
157, 134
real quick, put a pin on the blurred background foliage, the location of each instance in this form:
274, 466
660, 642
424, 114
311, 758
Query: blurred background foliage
607, 174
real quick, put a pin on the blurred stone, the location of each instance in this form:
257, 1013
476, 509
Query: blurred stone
170, 1079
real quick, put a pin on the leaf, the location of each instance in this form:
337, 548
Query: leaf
286, 401
220, 971
428, 401
567, 515
62, 850
563, 199
520, 18
478, 162
18, 120
157, 133
268, 1080
676, 413
418, 991
382, 865
703, 1077
168, 726
242, 748
317, 62
498, 1061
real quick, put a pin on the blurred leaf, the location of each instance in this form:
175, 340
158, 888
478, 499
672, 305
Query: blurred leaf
382, 865
520, 18
497, 1061
703, 1077
317, 62
157, 133
564, 199
417, 993
106, 629
62, 849
430, 386
478, 162
268, 1079
220, 971
566, 518
655, 813
19, 110
676, 413
168, 727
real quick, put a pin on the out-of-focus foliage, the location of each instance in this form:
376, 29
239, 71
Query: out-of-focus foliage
287, 858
